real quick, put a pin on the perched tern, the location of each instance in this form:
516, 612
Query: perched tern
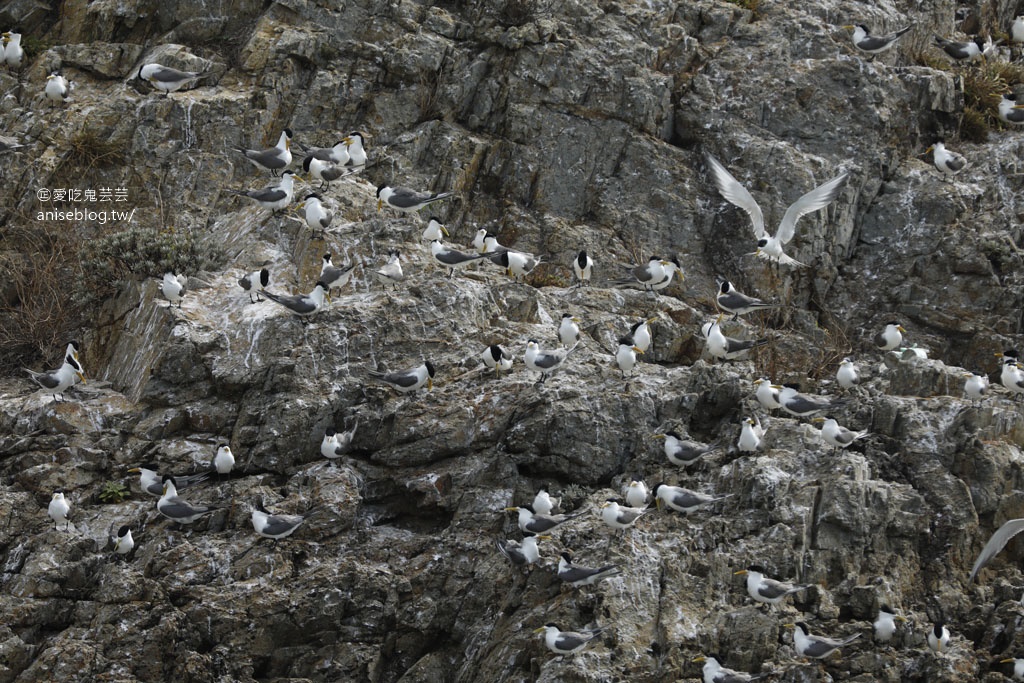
478, 240
885, 624
641, 334
547, 361
682, 452
731, 300
123, 542
975, 386
961, 51
751, 434
891, 337
618, 516
335, 445
1010, 111
635, 492
517, 264
391, 272
224, 460
671, 267
496, 358
1011, 376
1018, 663
938, 638
59, 509
837, 436
408, 381
302, 305
332, 276
648, 275
152, 483
768, 246
254, 283
175, 508
873, 45
173, 288
273, 159
566, 642
569, 330
273, 197
435, 230
57, 87
765, 590
491, 246
404, 200
767, 394
583, 576
803, 405
947, 161
274, 526
582, 267
543, 503
324, 171
625, 355
995, 544
521, 554
356, 152
727, 348
317, 217
59, 380
12, 52
451, 258
847, 375
337, 154
1017, 36
816, 647
531, 522
716, 673
682, 499
167, 79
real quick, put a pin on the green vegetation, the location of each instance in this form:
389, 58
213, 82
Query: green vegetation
114, 492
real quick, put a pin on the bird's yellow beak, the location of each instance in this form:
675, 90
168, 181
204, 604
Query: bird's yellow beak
638, 350
1007, 661
542, 629
444, 231
789, 625
651, 320
817, 419
287, 143
134, 470
776, 386
657, 503
81, 377
544, 537
929, 149
904, 620
380, 203
659, 436
740, 572
900, 328
698, 660
347, 141
430, 384
605, 504
511, 509
999, 355
1018, 106
848, 27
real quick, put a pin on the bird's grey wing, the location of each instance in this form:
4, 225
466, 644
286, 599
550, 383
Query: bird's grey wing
819, 647
177, 508
736, 300
738, 345
816, 199
803, 404
628, 516
279, 524
995, 544
547, 361
511, 550
298, 303
541, 523
271, 158
845, 436
569, 640
956, 163
47, 380
736, 194
402, 379
326, 220
453, 257
166, 74
404, 198
574, 574
267, 194
875, 42
685, 498
771, 589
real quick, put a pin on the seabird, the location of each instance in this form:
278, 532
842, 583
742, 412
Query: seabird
716, 673
751, 434
496, 358
543, 503
491, 246
767, 394
356, 152
768, 246
451, 258
61, 379
569, 330
726, 348
566, 642
731, 300
682, 499
1018, 664
478, 240
1017, 36
391, 272
435, 230
1011, 375
273, 159
57, 87
72, 350
317, 217
803, 405
938, 637
273, 197
547, 361
837, 436
975, 386
167, 79
618, 516
635, 492
816, 647
891, 337
682, 452
175, 508
847, 375
152, 483
274, 526
405, 200
335, 445
123, 542
409, 380
960, 51
583, 576
765, 590
332, 276
13, 52
324, 171
302, 305
948, 162
647, 275
224, 460
671, 267
254, 283
521, 554
337, 154
58, 510
641, 334
1010, 111
625, 355
995, 544
582, 267
517, 264
531, 522
865, 42
172, 288
885, 624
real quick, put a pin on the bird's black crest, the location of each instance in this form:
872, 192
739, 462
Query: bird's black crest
122, 531
430, 367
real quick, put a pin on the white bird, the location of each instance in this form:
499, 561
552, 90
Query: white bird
641, 334
947, 161
408, 381
72, 350
435, 230
173, 288
1010, 111
751, 434
152, 483
765, 590
57, 87
356, 152
583, 576
478, 240
646, 275
582, 268
274, 526
671, 267
492, 246
59, 509
816, 647
682, 452
682, 499
404, 200
731, 300
317, 217
716, 673
726, 348
176, 509
302, 305
59, 380
847, 375
531, 522
545, 362
804, 405
123, 542
254, 283
885, 624
224, 460
619, 516
1017, 33
496, 358
335, 445
938, 637
995, 544
635, 492
337, 154
767, 394
891, 337
165, 78
975, 386
1018, 664
13, 52
324, 171
835, 435
1011, 375
768, 246
566, 642
274, 197
625, 355
451, 258
569, 330
961, 51
273, 159
521, 554
543, 503
873, 45
391, 272
332, 276
517, 264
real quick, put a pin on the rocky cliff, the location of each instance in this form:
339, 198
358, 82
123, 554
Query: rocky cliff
559, 126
